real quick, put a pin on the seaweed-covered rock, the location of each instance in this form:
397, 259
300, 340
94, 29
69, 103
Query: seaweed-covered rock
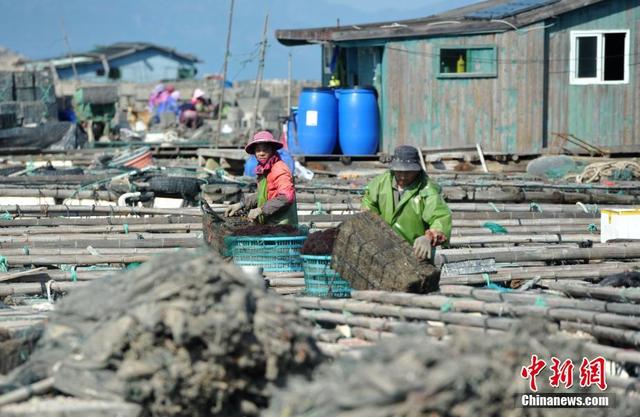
182, 335
417, 376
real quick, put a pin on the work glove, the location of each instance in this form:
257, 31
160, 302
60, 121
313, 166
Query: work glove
437, 237
422, 247
254, 214
234, 209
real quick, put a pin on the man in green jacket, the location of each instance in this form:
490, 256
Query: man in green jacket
410, 202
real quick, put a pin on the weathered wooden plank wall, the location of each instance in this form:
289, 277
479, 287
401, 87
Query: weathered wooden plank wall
504, 113
605, 115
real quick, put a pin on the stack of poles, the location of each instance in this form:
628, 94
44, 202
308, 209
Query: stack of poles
43, 243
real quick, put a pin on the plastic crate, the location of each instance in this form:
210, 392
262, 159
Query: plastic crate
322, 281
272, 253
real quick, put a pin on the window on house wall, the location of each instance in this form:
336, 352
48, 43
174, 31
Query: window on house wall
467, 62
599, 57
114, 73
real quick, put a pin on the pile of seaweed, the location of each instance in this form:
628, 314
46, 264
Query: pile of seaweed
320, 243
418, 376
265, 229
182, 335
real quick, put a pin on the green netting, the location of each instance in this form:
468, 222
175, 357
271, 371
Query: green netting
322, 281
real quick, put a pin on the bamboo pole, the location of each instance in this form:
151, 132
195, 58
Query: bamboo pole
59, 193
520, 239
622, 295
528, 230
627, 337
26, 392
36, 288
529, 223
45, 210
124, 228
57, 251
502, 215
24, 246
76, 259
62, 238
13, 275
94, 221
589, 271
55, 179
610, 251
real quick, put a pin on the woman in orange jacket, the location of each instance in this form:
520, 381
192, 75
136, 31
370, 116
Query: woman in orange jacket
275, 201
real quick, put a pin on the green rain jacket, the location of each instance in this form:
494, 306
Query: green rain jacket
421, 207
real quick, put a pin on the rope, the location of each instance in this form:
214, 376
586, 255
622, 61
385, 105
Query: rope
6, 216
592, 228
125, 227
446, 307
535, 207
25, 250
319, 209
540, 302
493, 206
619, 170
73, 274
492, 285
4, 265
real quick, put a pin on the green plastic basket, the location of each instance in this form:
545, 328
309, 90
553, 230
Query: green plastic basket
272, 253
322, 281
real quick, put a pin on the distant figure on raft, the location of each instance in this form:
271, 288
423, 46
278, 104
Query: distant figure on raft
275, 201
410, 202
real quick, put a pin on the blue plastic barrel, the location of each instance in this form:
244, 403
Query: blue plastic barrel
359, 121
317, 121
293, 142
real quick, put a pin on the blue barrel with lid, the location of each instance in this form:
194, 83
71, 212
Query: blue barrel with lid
317, 121
359, 124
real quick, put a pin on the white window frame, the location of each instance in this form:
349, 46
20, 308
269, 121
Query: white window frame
599, 34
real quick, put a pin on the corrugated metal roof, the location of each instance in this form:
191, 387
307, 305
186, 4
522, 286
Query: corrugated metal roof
449, 23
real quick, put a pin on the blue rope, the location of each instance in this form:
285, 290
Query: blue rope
73, 274
6, 216
493, 206
125, 226
446, 307
592, 228
4, 265
492, 285
25, 250
535, 207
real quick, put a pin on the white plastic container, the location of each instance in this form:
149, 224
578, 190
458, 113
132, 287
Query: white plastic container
619, 224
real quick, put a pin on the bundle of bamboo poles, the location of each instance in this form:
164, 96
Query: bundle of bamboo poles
76, 244
611, 324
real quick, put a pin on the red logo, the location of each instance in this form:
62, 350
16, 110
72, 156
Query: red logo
591, 372
530, 372
561, 373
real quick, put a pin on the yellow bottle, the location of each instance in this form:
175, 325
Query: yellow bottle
461, 65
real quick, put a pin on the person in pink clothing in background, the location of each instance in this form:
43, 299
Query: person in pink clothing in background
275, 201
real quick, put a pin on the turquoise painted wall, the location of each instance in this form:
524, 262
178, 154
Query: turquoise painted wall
502, 111
606, 115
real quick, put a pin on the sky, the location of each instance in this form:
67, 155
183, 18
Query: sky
37, 28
